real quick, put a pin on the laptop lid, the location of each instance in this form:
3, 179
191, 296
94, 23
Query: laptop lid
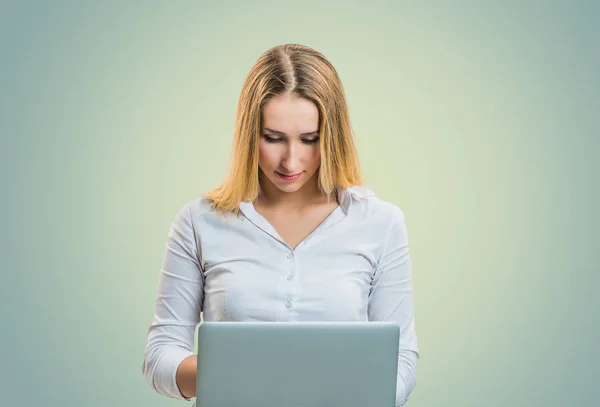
297, 364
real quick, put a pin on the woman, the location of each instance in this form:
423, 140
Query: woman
290, 235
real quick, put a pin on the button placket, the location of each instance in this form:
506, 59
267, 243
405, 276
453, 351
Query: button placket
290, 256
291, 270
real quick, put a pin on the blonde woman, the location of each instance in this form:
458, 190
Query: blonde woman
290, 234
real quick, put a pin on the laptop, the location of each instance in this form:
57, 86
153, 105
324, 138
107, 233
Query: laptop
297, 364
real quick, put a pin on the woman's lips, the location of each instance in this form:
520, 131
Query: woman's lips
289, 178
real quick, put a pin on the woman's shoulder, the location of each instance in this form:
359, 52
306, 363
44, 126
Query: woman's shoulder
199, 205
373, 207
202, 210
189, 212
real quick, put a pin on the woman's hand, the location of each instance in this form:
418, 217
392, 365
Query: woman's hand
186, 376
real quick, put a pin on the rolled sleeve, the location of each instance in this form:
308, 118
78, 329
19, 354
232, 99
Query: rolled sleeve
178, 307
391, 299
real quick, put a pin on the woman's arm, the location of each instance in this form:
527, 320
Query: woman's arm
169, 355
391, 299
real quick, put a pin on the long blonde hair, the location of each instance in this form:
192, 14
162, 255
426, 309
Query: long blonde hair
301, 71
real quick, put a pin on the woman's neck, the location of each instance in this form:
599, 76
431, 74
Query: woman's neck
307, 197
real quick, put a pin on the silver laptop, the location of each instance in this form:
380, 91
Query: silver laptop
297, 364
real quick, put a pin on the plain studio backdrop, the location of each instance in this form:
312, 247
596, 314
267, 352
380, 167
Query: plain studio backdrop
478, 119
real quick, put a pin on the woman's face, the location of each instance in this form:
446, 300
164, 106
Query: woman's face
289, 142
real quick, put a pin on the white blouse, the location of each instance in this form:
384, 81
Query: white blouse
355, 266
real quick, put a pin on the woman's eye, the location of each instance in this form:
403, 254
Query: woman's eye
271, 139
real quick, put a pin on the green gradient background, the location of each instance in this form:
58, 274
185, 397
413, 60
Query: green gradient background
480, 120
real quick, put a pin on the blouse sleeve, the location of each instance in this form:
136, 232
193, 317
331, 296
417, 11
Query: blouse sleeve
178, 307
391, 299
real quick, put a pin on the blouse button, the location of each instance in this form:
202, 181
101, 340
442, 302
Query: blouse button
290, 277
288, 304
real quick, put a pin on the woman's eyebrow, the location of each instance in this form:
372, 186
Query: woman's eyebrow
312, 133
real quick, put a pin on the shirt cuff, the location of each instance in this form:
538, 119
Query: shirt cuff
167, 373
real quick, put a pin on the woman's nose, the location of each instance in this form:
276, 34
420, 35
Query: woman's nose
291, 158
